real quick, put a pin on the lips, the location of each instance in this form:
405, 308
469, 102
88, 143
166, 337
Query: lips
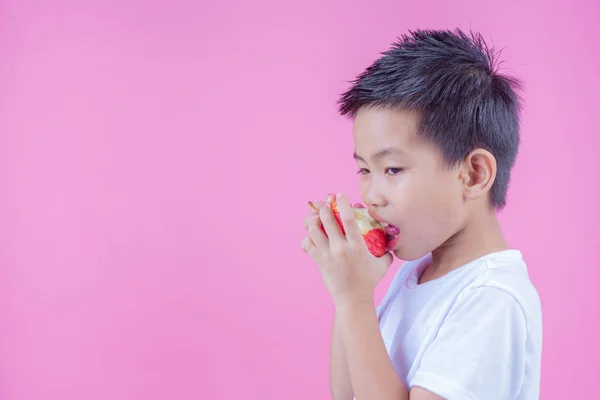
392, 232
393, 235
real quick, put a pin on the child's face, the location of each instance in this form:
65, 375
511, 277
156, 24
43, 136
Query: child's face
404, 182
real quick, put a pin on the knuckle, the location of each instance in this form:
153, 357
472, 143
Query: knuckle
313, 229
348, 219
310, 217
338, 249
308, 246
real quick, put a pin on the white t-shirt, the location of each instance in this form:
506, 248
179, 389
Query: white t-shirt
473, 334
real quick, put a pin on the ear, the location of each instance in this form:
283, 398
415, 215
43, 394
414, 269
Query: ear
479, 173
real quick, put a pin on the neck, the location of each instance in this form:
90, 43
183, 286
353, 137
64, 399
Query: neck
480, 236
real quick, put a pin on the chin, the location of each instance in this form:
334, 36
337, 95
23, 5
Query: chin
406, 254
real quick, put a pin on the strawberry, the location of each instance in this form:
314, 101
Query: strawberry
373, 232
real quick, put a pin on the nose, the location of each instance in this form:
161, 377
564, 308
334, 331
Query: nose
373, 196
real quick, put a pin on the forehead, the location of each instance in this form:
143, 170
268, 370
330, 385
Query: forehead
375, 129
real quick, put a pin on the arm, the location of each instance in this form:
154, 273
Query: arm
371, 371
351, 273
341, 388
478, 353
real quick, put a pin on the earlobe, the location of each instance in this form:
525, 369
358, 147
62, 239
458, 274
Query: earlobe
480, 170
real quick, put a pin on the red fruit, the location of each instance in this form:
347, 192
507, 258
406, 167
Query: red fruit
373, 232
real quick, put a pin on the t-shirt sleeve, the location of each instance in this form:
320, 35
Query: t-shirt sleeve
479, 351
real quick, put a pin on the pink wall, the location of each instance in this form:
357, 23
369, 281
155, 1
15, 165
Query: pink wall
151, 207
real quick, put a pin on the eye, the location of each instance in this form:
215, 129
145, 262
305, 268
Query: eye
393, 171
363, 171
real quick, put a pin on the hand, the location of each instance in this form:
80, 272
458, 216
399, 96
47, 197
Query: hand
349, 270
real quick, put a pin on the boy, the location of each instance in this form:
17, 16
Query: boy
436, 133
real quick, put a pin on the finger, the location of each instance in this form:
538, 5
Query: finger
351, 227
306, 242
304, 245
328, 200
318, 205
387, 259
316, 234
330, 223
308, 246
315, 206
309, 218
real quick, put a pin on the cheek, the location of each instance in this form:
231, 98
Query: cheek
434, 209
447, 208
447, 196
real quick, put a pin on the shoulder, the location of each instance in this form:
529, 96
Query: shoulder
502, 294
489, 341
506, 280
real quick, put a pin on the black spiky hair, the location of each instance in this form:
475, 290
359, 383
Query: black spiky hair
451, 79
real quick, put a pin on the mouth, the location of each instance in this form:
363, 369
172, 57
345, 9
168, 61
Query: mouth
393, 235
392, 231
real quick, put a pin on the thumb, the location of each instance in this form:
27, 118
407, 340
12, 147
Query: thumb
386, 260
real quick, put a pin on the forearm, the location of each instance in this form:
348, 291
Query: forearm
339, 378
371, 371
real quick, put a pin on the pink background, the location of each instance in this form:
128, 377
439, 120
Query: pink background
155, 163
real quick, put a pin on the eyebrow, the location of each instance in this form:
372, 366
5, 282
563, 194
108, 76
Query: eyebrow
389, 151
